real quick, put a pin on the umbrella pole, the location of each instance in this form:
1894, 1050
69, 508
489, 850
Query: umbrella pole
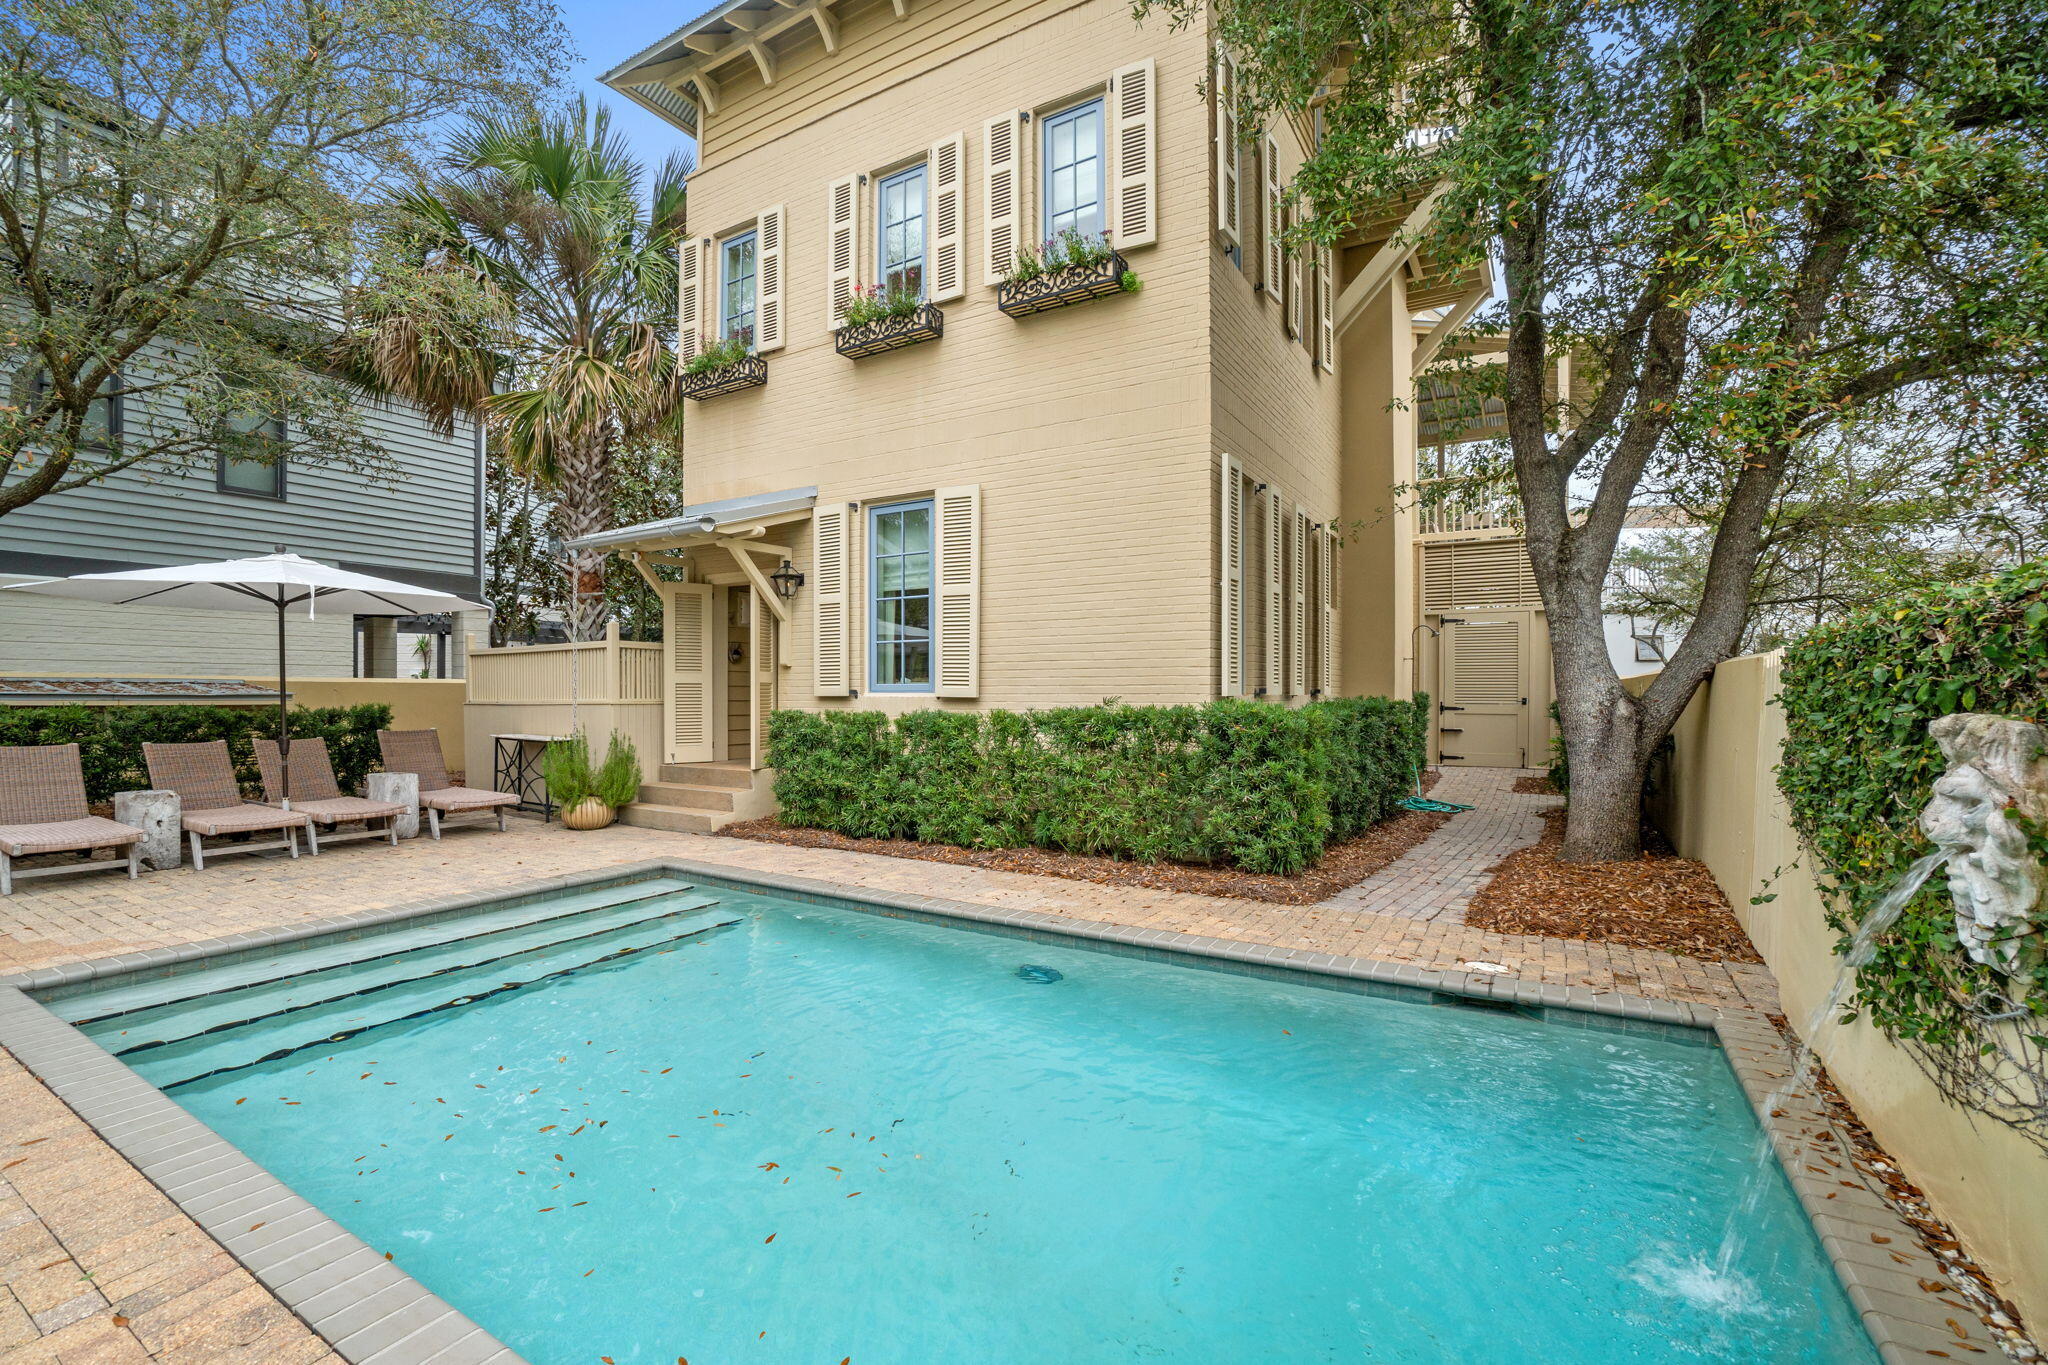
284, 729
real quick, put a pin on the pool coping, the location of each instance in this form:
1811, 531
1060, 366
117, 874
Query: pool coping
374, 1313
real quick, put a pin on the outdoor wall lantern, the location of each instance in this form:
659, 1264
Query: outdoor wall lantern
786, 580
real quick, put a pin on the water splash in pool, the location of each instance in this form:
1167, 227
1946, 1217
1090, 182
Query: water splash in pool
1806, 1042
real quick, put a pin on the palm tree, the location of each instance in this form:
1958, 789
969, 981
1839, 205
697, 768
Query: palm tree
529, 284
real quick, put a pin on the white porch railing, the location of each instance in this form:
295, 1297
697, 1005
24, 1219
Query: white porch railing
1464, 507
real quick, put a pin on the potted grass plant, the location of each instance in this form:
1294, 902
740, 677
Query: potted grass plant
589, 794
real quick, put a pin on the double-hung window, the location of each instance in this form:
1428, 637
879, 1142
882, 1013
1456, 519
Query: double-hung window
899, 229
251, 456
900, 597
101, 428
736, 288
1074, 188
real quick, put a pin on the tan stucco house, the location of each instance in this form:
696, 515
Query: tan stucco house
1162, 487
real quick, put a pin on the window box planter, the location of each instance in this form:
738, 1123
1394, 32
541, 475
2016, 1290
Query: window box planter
890, 334
1059, 288
750, 373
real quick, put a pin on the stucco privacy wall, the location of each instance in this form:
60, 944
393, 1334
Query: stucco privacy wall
1086, 428
1723, 807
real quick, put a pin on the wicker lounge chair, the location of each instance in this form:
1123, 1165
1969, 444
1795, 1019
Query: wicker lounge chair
204, 780
42, 810
419, 752
317, 794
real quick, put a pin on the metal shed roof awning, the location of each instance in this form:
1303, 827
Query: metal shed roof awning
703, 519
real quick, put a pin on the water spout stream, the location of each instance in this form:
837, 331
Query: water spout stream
1806, 1042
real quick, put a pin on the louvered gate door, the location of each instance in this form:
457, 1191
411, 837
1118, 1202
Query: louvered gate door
1485, 708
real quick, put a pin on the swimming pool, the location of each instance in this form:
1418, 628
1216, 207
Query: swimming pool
680, 1119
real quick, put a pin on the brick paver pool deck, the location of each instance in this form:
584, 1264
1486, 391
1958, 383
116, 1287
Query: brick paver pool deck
1436, 880
98, 1265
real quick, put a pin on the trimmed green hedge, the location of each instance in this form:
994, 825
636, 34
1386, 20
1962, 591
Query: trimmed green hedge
110, 738
1260, 786
1859, 764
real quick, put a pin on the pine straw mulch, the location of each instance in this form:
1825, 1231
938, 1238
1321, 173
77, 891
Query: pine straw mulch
1536, 786
1660, 901
1343, 865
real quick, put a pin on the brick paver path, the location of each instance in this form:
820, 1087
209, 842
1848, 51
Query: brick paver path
99, 1266
1436, 880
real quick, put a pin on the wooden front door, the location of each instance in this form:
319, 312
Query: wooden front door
689, 641
1484, 711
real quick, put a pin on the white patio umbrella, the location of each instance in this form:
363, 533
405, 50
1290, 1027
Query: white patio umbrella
274, 582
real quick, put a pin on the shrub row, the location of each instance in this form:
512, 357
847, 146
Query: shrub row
1858, 696
110, 738
1260, 786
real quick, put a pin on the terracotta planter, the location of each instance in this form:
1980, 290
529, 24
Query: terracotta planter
589, 813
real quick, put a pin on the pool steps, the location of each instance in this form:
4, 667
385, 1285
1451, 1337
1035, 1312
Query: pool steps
187, 985
277, 1035
216, 1010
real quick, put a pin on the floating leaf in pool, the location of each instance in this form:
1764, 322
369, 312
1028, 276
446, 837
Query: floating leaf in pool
1040, 976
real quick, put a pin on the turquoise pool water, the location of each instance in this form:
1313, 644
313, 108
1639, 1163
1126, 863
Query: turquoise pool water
779, 1132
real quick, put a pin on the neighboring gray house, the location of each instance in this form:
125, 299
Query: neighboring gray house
424, 527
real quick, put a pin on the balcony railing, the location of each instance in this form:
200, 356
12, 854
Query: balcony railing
1465, 506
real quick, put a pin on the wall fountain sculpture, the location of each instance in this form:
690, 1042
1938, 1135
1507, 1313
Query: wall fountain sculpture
1995, 764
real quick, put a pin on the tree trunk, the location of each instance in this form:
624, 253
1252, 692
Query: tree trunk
1608, 750
584, 488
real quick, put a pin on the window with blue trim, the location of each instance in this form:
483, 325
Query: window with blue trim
900, 597
899, 228
736, 288
1074, 186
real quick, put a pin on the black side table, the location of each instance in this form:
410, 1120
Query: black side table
516, 769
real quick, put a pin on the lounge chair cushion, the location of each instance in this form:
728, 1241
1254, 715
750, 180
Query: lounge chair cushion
336, 810
466, 798
64, 836
242, 819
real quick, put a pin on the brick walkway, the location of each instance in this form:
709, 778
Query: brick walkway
99, 1266
1436, 880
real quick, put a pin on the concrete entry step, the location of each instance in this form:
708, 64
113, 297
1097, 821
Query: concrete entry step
675, 819
737, 775
689, 796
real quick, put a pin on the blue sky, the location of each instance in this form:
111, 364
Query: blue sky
609, 31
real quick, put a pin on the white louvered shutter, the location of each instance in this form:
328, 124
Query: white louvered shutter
1230, 604
832, 600
842, 249
1296, 295
1326, 611
761, 698
1297, 604
1326, 308
768, 281
686, 635
956, 657
1276, 261
689, 298
1223, 84
949, 220
1274, 562
1002, 187
1134, 191
1477, 573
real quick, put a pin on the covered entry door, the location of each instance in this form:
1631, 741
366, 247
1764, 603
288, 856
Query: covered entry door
687, 690
1484, 711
